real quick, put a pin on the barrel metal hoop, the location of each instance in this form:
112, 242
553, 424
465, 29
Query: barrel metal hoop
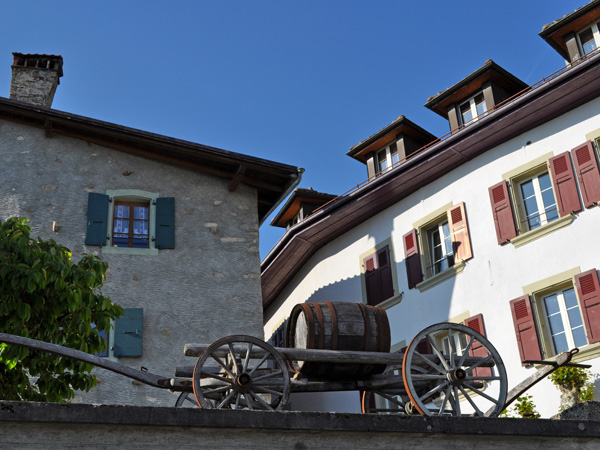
321, 325
367, 322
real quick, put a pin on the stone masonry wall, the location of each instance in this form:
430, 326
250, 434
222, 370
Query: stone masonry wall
206, 288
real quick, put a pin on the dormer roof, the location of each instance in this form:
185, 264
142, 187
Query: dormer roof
471, 84
299, 197
555, 33
390, 134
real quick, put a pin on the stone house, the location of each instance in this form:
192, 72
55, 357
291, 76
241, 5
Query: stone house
176, 221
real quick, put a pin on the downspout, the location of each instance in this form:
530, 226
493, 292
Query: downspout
283, 196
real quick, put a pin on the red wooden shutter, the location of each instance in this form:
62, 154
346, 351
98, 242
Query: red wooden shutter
567, 197
459, 231
586, 168
412, 259
385, 273
588, 291
372, 280
477, 349
504, 219
525, 329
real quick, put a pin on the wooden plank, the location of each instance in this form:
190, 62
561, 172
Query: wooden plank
334, 356
105, 363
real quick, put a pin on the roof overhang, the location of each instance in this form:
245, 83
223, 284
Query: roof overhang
554, 33
568, 90
390, 134
292, 206
472, 83
272, 181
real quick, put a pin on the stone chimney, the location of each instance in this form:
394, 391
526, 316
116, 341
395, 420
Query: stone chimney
35, 78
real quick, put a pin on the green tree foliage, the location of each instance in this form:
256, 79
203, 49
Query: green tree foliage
576, 381
45, 296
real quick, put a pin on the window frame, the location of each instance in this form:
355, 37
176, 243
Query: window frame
595, 37
532, 331
472, 102
419, 252
507, 202
547, 345
523, 217
389, 150
131, 219
132, 196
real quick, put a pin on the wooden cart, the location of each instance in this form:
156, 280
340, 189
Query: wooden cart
462, 376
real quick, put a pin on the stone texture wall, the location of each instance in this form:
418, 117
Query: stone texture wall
34, 86
55, 426
206, 288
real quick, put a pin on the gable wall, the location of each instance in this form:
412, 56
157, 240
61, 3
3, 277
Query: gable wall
206, 288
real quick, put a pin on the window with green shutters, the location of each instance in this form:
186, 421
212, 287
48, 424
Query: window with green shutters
130, 222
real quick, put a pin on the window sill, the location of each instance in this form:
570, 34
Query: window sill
388, 303
532, 235
441, 277
130, 251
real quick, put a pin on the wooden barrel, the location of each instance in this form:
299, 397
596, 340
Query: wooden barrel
338, 326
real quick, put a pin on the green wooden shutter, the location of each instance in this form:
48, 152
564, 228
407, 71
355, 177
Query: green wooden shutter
165, 223
129, 333
97, 219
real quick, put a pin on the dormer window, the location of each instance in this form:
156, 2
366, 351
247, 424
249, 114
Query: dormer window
472, 108
588, 39
387, 157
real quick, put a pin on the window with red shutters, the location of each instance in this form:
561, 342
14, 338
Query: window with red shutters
477, 349
588, 174
378, 276
588, 291
567, 196
503, 215
437, 245
525, 329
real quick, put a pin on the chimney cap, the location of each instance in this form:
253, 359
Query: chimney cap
39, 61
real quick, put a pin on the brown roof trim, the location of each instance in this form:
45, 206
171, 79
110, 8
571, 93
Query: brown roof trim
490, 69
554, 33
568, 90
271, 180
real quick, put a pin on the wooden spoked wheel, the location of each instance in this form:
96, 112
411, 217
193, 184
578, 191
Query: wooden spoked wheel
388, 399
241, 372
451, 369
186, 400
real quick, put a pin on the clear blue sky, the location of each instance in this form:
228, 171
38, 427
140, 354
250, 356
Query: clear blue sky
298, 82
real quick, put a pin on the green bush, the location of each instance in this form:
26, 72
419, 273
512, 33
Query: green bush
45, 296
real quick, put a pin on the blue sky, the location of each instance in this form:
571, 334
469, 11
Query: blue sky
298, 82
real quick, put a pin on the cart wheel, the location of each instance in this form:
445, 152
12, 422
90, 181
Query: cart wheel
386, 399
186, 400
451, 369
251, 375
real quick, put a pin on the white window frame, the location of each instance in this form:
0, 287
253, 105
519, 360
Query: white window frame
389, 158
473, 107
541, 315
595, 34
541, 207
446, 252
